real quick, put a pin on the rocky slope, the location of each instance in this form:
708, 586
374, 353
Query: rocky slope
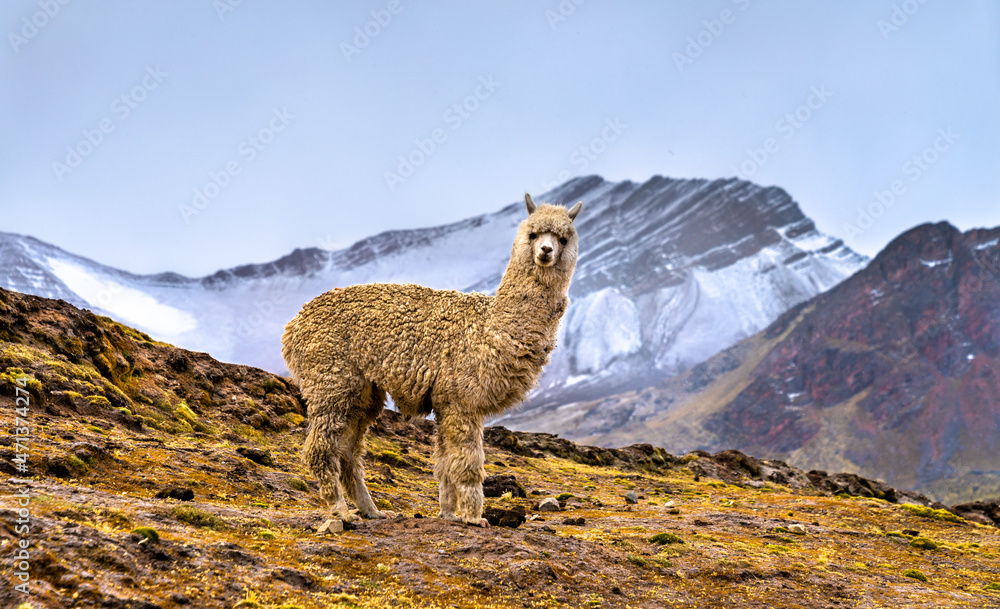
893, 374
161, 478
671, 271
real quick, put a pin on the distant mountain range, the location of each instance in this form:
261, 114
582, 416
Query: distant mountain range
894, 374
671, 271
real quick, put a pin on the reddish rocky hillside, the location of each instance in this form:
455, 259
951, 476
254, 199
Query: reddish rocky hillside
894, 374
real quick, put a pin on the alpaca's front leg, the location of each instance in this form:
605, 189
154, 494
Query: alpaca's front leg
460, 460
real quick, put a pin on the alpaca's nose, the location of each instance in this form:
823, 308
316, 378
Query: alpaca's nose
547, 249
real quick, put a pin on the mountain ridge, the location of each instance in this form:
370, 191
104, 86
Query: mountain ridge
653, 293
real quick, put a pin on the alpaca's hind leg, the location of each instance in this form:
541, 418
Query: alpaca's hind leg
352, 473
460, 439
446, 489
322, 454
332, 400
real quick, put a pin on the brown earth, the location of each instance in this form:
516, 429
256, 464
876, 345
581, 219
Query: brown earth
128, 433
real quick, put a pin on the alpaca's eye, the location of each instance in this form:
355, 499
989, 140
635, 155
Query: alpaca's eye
532, 236
563, 240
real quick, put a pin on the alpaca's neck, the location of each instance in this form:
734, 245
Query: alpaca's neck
530, 301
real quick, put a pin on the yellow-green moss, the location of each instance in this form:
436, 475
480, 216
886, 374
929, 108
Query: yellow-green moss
294, 418
636, 560
927, 512
99, 400
924, 543
148, 533
298, 484
184, 412
196, 517
915, 574
992, 586
665, 538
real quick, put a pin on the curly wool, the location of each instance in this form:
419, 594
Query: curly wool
463, 356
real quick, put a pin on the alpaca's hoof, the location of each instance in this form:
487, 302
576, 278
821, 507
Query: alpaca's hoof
376, 515
482, 523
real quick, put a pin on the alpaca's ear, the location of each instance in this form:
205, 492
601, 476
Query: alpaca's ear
575, 210
529, 203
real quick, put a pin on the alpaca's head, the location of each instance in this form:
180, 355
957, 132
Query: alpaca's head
547, 236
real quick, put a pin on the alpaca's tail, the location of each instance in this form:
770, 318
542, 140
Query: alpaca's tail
288, 351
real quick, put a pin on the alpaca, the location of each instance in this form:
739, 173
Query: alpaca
462, 356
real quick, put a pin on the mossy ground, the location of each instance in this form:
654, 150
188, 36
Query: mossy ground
248, 535
247, 530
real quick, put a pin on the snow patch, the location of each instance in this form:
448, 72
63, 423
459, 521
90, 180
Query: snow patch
603, 326
986, 245
934, 263
123, 303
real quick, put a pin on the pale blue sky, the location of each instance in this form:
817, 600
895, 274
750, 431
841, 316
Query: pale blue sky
607, 76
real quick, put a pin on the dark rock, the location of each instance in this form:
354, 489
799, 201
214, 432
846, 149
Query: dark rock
512, 518
176, 492
983, 512
496, 486
577, 522
631, 498
256, 455
294, 578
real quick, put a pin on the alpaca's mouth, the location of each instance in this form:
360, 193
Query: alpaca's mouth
544, 260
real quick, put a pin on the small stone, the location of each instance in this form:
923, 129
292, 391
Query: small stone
176, 492
496, 486
179, 599
669, 504
256, 455
631, 498
512, 518
418, 515
797, 529
698, 522
911, 533
673, 511
331, 526
577, 522
549, 504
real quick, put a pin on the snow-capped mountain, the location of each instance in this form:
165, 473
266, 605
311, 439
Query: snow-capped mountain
670, 272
